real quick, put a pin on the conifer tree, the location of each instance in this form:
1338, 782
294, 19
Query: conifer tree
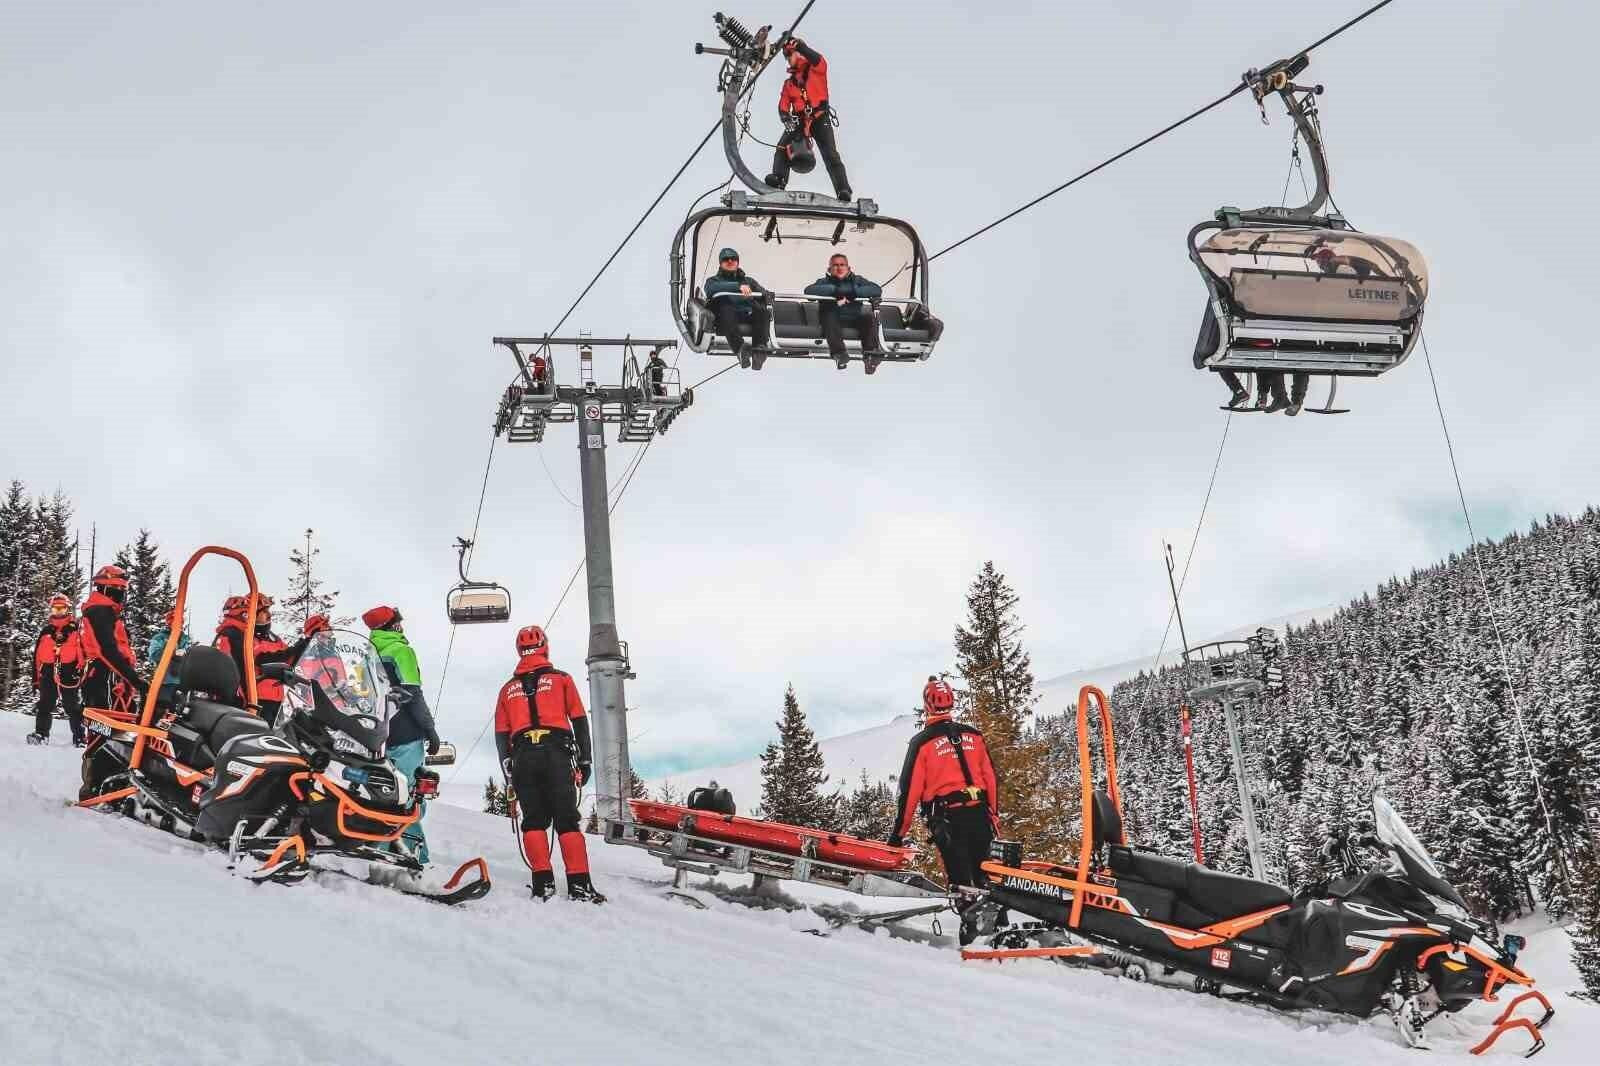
636, 786
150, 592
792, 773
305, 596
997, 696
868, 811
494, 798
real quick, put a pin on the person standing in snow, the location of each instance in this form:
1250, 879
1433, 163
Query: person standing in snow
948, 776
57, 672
412, 734
542, 737
107, 654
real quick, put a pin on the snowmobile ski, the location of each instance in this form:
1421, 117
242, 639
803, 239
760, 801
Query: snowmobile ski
411, 883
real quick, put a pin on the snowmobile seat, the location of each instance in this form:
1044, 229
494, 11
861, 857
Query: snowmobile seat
1231, 895
218, 723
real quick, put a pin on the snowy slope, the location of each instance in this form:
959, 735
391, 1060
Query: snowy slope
880, 750
122, 945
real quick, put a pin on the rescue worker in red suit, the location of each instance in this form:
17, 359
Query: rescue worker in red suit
269, 648
107, 655
57, 672
948, 775
542, 736
803, 107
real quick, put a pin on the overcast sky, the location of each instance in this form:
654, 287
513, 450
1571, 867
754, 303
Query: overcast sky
251, 256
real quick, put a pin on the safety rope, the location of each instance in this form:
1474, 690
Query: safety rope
1194, 540
1494, 619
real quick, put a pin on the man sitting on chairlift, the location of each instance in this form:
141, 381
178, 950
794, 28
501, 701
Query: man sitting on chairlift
736, 299
656, 370
842, 293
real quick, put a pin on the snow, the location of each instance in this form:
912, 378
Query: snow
880, 750
122, 944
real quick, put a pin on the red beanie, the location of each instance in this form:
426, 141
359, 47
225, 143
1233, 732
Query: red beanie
379, 617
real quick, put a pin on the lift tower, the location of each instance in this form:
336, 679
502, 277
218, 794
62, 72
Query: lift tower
646, 403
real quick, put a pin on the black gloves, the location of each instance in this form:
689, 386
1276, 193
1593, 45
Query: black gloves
433, 743
585, 771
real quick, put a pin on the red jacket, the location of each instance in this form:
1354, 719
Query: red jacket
810, 91
104, 639
556, 701
269, 648
59, 646
933, 770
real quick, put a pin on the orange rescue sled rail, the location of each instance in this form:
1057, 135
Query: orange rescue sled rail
774, 836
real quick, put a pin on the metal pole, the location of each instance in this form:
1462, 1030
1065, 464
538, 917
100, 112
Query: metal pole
1246, 806
607, 665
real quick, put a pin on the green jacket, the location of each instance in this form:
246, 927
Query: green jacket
414, 720
396, 649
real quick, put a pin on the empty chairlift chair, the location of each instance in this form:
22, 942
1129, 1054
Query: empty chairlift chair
474, 602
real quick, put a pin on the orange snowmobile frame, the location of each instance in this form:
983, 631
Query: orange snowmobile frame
148, 735
1092, 888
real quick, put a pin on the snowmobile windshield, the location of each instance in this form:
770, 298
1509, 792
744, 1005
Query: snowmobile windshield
341, 685
1419, 866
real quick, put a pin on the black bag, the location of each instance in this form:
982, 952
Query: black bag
717, 800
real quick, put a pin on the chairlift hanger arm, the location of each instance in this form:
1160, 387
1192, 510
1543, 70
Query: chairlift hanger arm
1299, 101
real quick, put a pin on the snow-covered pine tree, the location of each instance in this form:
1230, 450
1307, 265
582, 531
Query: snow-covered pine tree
792, 773
150, 592
667, 794
868, 811
636, 786
998, 697
19, 539
306, 596
494, 798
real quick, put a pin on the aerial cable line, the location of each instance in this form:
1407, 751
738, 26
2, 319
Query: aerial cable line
1190, 117
1155, 664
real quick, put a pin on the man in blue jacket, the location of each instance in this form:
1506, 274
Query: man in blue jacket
736, 298
842, 294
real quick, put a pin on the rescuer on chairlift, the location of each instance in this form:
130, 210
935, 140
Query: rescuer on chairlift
845, 300
736, 299
803, 107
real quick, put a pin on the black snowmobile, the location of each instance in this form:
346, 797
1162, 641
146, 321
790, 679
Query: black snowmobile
1396, 937
318, 785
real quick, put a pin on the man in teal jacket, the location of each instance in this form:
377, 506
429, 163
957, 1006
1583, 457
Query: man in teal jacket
412, 734
841, 292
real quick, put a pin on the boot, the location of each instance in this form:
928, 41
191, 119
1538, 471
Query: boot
744, 358
544, 885
758, 356
579, 887
871, 360
38, 738
1241, 398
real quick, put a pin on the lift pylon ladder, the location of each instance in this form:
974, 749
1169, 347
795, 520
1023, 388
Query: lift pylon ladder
644, 403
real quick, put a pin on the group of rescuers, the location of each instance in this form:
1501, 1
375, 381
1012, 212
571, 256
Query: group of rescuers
540, 726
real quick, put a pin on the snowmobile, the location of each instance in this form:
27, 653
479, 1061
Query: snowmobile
1395, 938
317, 785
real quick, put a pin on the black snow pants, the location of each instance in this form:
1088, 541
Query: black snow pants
730, 316
963, 836
835, 317
827, 147
51, 690
546, 792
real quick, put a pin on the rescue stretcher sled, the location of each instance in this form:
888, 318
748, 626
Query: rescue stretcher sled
708, 843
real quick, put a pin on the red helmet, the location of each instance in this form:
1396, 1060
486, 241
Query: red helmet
60, 606
110, 576
235, 609
937, 697
531, 639
263, 605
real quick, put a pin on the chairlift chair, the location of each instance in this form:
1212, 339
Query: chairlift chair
474, 602
785, 238
1292, 291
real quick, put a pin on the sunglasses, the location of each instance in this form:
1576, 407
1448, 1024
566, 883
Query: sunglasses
731, 259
